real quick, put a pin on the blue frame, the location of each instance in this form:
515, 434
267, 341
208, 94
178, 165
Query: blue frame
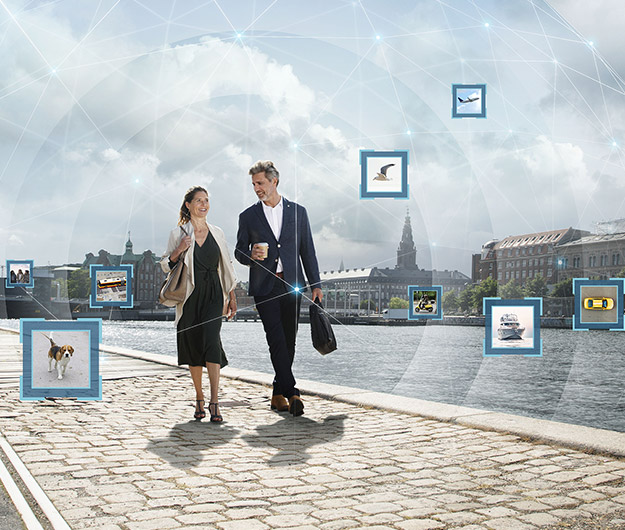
489, 350
439, 303
93, 326
128, 272
31, 283
579, 324
365, 155
454, 103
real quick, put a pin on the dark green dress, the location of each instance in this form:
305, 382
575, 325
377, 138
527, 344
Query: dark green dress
198, 328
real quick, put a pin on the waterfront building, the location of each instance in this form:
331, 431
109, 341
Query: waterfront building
147, 273
523, 257
346, 289
599, 256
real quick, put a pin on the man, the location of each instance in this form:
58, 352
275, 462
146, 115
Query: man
276, 276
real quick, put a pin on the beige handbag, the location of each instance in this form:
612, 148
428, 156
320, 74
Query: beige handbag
174, 288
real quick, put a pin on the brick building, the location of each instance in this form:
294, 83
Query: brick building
523, 257
594, 256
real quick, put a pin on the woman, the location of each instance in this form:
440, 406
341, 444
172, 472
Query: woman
210, 295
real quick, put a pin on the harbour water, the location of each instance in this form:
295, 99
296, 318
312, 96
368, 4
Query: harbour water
579, 379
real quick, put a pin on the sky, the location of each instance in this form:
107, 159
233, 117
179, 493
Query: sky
110, 110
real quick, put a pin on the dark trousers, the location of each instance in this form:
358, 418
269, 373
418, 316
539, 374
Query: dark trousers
279, 312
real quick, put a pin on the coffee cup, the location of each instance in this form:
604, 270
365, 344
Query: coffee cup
265, 248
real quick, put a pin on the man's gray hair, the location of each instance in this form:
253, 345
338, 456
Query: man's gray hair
267, 167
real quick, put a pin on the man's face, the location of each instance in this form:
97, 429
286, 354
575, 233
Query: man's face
265, 189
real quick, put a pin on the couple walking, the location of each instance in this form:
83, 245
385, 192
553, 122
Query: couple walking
276, 282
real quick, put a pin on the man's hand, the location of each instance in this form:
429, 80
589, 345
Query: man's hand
258, 252
316, 293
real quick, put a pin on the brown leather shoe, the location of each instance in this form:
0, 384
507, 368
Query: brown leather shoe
296, 406
279, 403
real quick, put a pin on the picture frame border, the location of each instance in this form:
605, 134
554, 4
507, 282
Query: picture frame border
579, 324
29, 325
29, 285
454, 96
127, 268
487, 308
365, 155
439, 303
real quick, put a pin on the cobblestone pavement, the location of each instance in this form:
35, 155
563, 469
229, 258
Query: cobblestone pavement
137, 460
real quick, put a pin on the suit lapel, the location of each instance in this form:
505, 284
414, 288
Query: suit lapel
288, 215
258, 208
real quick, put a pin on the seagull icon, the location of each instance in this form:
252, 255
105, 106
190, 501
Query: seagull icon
382, 174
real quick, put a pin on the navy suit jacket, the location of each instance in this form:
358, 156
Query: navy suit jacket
294, 247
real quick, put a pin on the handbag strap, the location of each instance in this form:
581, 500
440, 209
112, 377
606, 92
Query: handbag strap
182, 254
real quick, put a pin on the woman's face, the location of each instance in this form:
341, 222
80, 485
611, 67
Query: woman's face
199, 205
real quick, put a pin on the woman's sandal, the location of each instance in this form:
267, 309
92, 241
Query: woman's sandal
199, 410
215, 418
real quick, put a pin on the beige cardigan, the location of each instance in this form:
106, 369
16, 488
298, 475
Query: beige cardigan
227, 276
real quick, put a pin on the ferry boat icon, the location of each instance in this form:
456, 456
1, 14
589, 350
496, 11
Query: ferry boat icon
509, 327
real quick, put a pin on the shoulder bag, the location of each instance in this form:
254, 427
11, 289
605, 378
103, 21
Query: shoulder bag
174, 288
323, 337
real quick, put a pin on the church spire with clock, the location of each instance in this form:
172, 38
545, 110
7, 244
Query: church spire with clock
407, 252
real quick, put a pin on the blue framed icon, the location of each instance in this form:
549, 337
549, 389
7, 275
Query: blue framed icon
512, 327
20, 273
598, 304
111, 286
425, 302
60, 359
383, 174
468, 100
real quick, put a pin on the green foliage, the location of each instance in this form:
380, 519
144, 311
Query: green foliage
485, 289
450, 301
367, 304
79, 284
511, 291
536, 287
431, 295
398, 303
466, 298
563, 288
621, 274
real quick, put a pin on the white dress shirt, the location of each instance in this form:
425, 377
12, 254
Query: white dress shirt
274, 218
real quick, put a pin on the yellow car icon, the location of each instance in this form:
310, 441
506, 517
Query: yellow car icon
598, 303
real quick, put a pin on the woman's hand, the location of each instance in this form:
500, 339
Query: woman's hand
232, 307
185, 243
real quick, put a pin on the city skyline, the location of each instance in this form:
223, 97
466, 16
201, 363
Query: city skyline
110, 112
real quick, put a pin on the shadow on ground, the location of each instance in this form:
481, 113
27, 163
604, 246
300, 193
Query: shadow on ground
292, 437
186, 442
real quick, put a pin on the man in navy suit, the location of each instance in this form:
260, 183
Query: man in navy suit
277, 280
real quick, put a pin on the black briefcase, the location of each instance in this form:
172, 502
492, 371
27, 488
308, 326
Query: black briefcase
323, 337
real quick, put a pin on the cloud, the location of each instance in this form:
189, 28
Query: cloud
128, 105
15, 241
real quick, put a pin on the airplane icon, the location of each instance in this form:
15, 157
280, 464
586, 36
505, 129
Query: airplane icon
468, 100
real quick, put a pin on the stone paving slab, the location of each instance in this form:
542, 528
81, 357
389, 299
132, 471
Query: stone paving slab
137, 461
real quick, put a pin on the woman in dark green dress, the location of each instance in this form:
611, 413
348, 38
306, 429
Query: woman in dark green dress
210, 295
